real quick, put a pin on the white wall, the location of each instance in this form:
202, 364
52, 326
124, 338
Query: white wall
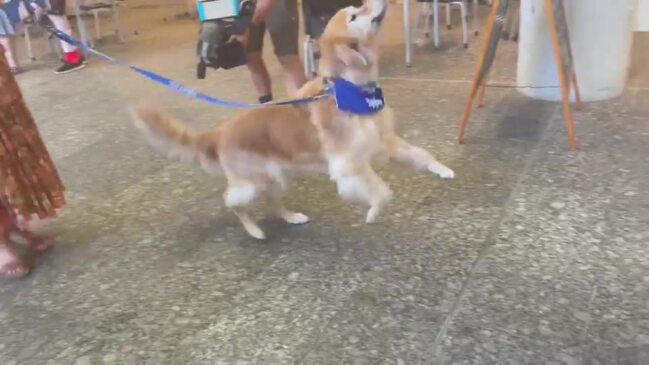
642, 16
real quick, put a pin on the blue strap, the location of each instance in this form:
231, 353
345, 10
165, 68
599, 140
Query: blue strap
173, 85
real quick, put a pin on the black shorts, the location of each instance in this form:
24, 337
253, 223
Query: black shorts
283, 25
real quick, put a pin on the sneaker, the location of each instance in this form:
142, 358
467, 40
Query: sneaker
67, 67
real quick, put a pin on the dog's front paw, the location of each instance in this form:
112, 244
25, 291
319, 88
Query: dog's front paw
441, 170
255, 232
372, 214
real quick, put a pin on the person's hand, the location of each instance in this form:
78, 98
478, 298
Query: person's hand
241, 38
38, 11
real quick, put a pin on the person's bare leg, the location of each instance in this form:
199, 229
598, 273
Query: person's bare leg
73, 59
259, 74
293, 73
61, 23
9, 45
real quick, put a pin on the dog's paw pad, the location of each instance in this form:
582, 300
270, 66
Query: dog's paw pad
442, 171
296, 218
256, 233
372, 214
447, 174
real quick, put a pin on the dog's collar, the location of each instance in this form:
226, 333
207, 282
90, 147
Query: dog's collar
364, 99
330, 81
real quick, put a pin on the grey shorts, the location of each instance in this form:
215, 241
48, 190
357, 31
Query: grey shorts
283, 25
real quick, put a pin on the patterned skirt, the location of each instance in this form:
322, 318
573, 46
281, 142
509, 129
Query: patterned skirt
30, 186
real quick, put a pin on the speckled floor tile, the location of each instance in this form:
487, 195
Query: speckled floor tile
533, 254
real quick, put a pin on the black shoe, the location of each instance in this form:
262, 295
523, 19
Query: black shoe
67, 67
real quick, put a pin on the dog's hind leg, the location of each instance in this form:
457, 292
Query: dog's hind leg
380, 194
249, 223
279, 209
237, 197
361, 184
417, 157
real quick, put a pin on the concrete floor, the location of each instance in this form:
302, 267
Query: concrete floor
534, 254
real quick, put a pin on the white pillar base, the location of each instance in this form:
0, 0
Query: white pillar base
601, 34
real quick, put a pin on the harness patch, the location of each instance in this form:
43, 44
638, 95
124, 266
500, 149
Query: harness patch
355, 99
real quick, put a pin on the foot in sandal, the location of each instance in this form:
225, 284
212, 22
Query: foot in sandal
11, 266
31, 240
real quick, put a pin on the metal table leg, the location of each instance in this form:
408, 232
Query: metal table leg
407, 30
81, 25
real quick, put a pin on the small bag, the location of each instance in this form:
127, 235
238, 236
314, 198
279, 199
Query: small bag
214, 48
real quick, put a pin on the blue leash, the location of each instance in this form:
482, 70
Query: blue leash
173, 85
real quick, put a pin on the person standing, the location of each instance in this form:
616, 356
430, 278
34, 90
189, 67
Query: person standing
12, 12
30, 187
280, 18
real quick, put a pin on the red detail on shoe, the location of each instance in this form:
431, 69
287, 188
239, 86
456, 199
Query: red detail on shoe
72, 57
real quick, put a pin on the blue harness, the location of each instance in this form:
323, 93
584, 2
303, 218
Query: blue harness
351, 98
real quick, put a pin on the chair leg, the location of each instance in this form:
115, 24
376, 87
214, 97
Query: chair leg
116, 23
448, 15
95, 14
57, 46
476, 17
48, 44
427, 24
81, 25
436, 25
28, 43
417, 16
465, 39
308, 58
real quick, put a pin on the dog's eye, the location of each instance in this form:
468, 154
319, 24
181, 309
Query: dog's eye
352, 18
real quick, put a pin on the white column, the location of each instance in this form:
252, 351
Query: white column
642, 16
601, 33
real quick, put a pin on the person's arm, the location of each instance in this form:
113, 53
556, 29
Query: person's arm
262, 10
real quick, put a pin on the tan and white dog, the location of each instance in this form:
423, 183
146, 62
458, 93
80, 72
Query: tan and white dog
256, 149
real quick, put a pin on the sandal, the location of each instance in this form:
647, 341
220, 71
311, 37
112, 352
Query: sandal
14, 269
32, 240
16, 70
13, 266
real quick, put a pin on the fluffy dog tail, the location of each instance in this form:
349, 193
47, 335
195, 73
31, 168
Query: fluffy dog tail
172, 136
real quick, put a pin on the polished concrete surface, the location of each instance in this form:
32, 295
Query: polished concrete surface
534, 254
